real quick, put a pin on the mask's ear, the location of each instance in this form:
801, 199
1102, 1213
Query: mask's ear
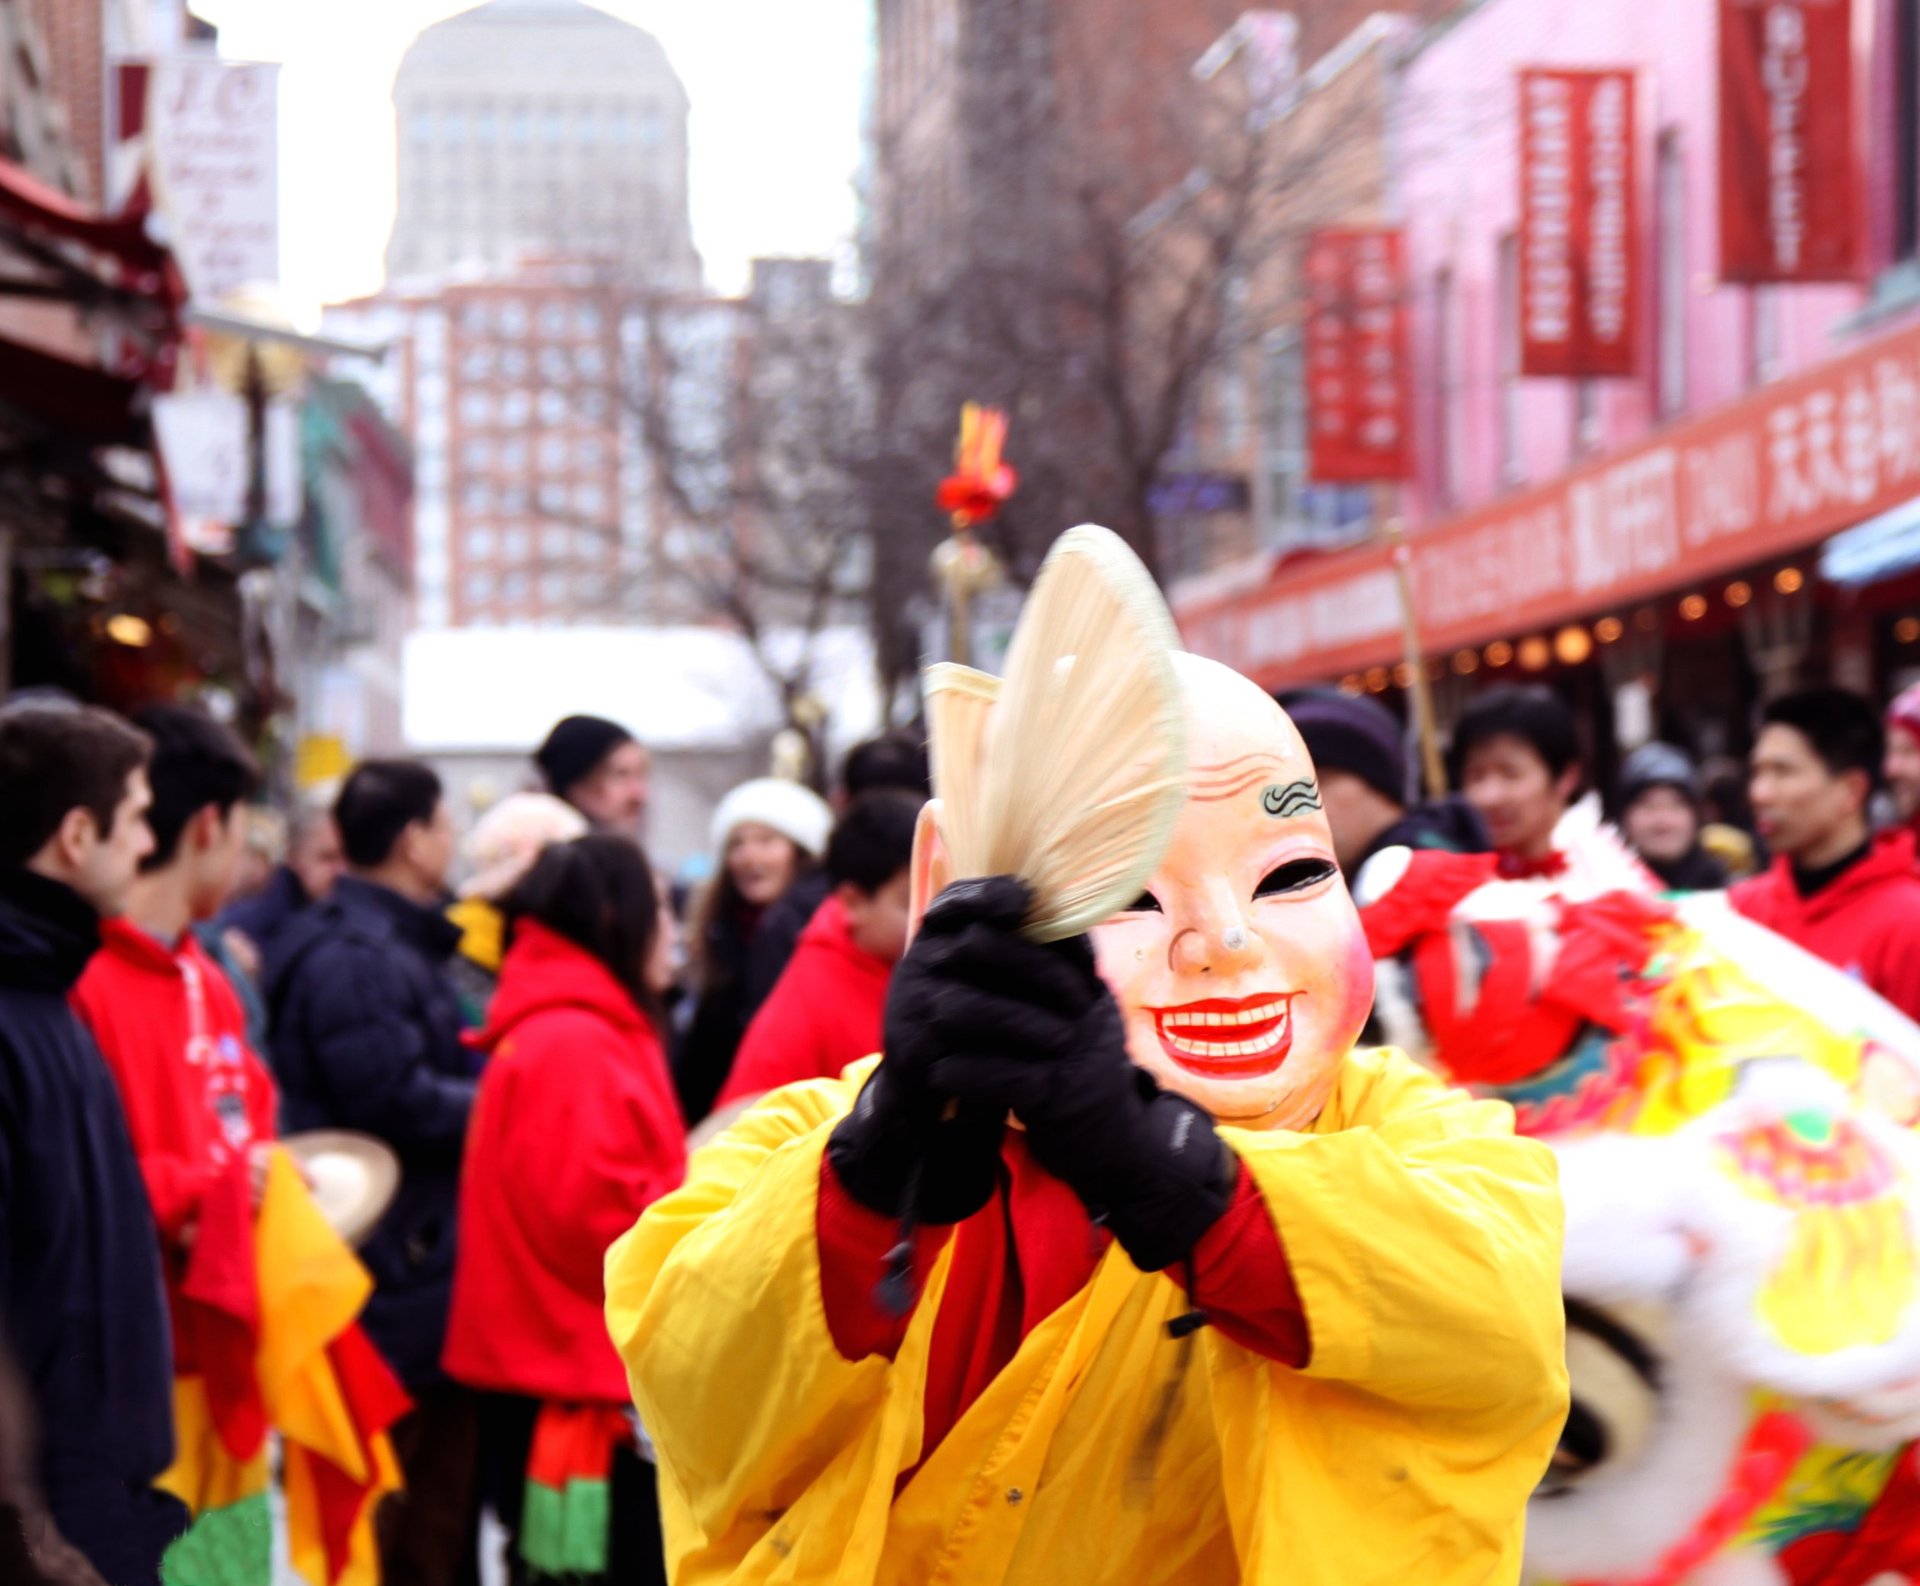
932, 866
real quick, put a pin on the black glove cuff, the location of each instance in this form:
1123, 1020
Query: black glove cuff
876, 1149
1179, 1185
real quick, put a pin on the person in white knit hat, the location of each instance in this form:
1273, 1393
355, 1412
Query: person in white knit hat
501, 848
767, 834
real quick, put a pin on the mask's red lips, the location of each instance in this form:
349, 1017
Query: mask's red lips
1237, 1038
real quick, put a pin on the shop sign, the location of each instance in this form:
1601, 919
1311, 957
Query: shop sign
206, 132
1579, 224
1792, 185
1772, 474
1358, 398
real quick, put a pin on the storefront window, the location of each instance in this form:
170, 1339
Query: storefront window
1299, 512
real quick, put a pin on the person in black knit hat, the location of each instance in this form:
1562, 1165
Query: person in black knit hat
1360, 753
599, 768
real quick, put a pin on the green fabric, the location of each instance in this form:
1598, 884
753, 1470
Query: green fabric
563, 1531
224, 1547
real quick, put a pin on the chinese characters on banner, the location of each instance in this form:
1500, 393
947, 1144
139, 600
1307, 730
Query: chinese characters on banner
1358, 398
1791, 179
1579, 224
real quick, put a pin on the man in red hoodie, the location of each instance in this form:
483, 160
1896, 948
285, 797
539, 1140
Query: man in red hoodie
1832, 888
826, 1008
197, 1098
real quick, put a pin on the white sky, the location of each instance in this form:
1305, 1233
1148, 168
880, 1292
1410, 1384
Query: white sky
777, 89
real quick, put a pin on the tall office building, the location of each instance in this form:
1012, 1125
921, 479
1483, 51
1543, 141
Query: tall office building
541, 128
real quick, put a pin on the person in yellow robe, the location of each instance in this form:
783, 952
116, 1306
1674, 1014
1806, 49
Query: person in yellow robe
1122, 1264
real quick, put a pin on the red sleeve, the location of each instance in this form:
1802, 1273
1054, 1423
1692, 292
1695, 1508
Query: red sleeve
853, 1245
176, 1187
573, 1080
1241, 1279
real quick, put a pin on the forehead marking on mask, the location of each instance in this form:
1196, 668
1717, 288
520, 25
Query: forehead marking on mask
1214, 784
1296, 798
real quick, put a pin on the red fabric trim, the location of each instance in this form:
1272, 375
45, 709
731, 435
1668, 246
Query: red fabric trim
1022, 1257
574, 1443
1517, 867
374, 1400
1243, 1281
1887, 1543
219, 1311
1423, 899
1773, 1447
853, 1245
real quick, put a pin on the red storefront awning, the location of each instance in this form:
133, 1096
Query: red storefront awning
1766, 476
83, 404
134, 259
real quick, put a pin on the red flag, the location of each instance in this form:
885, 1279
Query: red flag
1792, 200
1358, 396
1579, 223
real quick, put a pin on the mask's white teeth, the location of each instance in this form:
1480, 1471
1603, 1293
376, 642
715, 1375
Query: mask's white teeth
1188, 1046
1266, 1013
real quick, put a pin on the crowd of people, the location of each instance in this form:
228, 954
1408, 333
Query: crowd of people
513, 1015
523, 1018
1816, 840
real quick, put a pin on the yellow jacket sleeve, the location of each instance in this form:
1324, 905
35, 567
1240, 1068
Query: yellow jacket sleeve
714, 1302
1424, 1239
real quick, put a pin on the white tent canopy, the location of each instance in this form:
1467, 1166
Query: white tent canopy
480, 689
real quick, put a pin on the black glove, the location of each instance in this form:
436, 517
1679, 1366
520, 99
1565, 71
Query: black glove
905, 1140
995, 1023
1142, 1160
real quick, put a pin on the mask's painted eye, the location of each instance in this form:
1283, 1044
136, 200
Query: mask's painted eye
1146, 903
1297, 875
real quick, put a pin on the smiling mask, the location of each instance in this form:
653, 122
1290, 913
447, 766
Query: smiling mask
1242, 971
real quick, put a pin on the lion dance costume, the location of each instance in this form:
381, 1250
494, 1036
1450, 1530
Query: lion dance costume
1734, 1124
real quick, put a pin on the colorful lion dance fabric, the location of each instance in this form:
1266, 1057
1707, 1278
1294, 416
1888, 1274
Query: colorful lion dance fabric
1735, 1123
273, 1305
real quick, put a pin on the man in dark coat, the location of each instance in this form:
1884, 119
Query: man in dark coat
312, 867
366, 1036
84, 1310
1360, 753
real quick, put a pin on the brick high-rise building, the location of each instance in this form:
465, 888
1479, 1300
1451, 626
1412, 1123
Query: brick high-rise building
531, 128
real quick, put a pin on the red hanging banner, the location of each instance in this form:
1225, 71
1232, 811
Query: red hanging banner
1792, 201
1358, 396
1579, 224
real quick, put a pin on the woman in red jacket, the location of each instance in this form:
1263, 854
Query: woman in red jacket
576, 1130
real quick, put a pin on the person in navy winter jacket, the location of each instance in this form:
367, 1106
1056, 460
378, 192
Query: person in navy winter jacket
80, 1289
367, 1036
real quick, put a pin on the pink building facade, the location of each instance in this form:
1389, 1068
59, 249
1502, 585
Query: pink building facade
1650, 545
1481, 429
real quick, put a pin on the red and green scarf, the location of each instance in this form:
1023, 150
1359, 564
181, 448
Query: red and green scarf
565, 1522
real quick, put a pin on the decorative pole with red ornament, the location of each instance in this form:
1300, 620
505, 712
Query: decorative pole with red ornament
979, 486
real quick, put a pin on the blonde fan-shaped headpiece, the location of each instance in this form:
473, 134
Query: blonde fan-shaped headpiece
1070, 772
